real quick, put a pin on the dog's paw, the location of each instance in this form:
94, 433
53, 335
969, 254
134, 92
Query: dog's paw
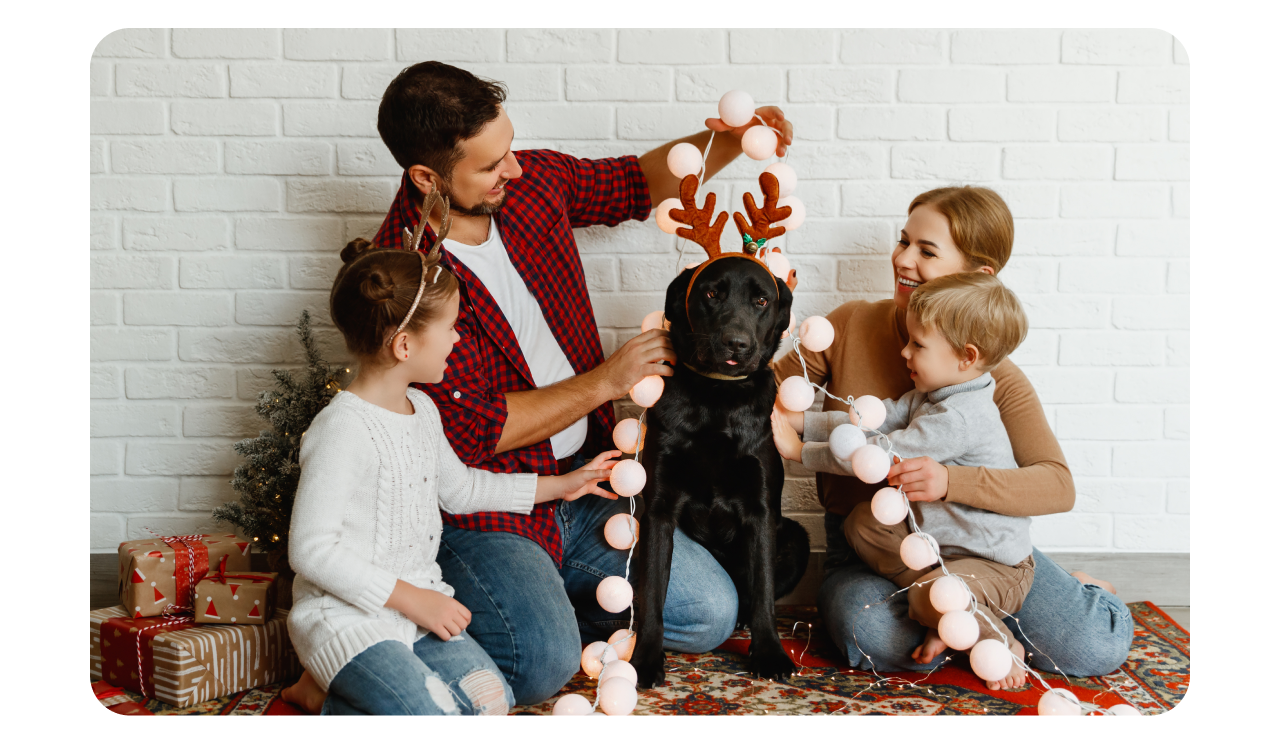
651, 669
774, 664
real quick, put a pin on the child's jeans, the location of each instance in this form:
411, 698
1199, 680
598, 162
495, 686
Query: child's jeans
433, 678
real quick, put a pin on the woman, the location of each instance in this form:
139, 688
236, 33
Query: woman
1072, 623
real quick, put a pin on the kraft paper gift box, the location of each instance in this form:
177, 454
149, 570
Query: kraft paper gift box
158, 572
180, 663
247, 597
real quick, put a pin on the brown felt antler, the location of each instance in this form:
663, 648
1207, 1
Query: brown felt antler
411, 239
701, 229
759, 231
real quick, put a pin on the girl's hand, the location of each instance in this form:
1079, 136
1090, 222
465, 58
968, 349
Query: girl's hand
579, 483
785, 437
772, 116
921, 478
438, 613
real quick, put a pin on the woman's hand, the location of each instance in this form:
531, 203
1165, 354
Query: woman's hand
438, 613
785, 437
580, 482
921, 478
772, 116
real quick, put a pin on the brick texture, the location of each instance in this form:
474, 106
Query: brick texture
229, 166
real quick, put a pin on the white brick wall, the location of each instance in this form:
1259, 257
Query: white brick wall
228, 167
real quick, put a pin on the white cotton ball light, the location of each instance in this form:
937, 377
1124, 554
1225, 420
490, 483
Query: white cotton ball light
624, 646
647, 391
991, 660
870, 463
796, 218
872, 412
779, 265
888, 506
654, 320
621, 532
619, 668
618, 696
844, 439
571, 705
592, 661
786, 176
917, 553
948, 594
665, 222
958, 629
684, 160
614, 595
628, 479
626, 435
791, 322
817, 333
1058, 701
759, 142
736, 108
1124, 710
795, 393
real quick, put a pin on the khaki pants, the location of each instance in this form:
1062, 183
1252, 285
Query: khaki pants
995, 585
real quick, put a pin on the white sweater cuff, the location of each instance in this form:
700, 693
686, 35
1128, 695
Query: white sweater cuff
377, 591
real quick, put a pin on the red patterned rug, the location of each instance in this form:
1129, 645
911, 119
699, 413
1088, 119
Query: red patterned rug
1153, 680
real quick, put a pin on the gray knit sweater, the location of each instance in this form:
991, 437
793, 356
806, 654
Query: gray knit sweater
955, 425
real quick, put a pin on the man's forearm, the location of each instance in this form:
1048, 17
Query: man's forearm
535, 415
664, 185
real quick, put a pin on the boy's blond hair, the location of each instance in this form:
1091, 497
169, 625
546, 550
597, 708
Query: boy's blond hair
972, 308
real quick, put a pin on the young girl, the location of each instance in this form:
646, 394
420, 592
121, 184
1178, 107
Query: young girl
373, 622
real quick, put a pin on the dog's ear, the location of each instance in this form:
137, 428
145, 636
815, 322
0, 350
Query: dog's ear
783, 311
677, 290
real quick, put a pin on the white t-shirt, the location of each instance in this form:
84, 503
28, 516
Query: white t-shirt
489, 261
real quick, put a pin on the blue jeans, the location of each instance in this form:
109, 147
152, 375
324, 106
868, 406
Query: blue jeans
532, 618
1083, 630
433, 678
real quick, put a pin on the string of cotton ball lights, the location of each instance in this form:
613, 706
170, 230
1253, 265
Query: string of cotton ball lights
950, 595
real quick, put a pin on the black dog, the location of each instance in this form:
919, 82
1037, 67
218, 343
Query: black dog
712, 466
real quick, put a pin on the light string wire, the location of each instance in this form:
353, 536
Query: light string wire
933, 544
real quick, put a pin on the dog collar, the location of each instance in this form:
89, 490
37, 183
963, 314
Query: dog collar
714, 375
709, 261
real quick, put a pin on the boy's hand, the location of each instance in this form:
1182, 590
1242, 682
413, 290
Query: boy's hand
438, 613
579, 483
921, 478
785, 437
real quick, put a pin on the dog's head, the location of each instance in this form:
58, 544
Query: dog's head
735, 319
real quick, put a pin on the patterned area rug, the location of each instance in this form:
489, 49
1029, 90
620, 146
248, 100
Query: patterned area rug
1153, 680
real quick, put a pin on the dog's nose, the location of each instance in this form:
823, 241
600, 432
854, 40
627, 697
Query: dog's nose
736, 342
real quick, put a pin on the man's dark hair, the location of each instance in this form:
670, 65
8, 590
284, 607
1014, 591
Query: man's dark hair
431, 107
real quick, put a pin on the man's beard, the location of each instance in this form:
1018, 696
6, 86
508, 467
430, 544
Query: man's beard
481, 209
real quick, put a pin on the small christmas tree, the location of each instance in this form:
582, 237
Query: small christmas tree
268, 480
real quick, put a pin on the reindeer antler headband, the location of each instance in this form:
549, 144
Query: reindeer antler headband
411, 241
706, 233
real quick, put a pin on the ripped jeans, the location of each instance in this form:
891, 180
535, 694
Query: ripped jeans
433, 678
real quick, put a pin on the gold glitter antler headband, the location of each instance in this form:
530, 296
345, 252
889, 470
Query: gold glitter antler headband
411, 242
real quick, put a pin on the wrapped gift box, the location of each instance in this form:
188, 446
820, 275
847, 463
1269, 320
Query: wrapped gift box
240, 598
175, 661
162, 571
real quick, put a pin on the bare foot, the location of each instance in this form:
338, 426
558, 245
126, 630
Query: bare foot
305, 694
932, 646
1085, 578
1017, 676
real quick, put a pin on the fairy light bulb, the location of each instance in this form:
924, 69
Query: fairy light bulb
663, 214
624, 646
621, 531
798, 213
870, 463
759, 142
778, 264
889, 505
684, 160
621, 669
1058, 701
958, 629
868, 411
614, 594
627, 478
736, 108
647, 391
795, 394
654, 320
948, 594
844, 439
990, 660
1123, 709
595, 656
786, 176
571, 705
817, 333
917, 553
618, 696
626, 436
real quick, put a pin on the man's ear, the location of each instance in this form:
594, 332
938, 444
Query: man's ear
677, 290
424, 178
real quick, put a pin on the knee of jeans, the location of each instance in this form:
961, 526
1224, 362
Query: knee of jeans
487, 691
533, 685
844, 604
1110, 645
707, 623
441, 695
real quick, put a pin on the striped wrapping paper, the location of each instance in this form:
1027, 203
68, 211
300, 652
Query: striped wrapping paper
183, 664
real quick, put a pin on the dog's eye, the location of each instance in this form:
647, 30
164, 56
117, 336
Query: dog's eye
711, 293
761, 301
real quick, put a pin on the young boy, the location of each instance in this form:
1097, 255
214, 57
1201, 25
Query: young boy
960, 327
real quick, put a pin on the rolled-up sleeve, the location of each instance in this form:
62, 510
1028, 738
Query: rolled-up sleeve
606, 191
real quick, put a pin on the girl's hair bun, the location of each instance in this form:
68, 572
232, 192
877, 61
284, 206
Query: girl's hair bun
378, 286
355, 249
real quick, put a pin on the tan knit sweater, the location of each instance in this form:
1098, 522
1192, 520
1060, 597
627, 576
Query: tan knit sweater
866, 359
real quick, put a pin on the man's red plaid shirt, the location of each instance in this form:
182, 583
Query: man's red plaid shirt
556, 193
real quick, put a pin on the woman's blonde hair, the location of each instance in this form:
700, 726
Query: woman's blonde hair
981, 224
972, 307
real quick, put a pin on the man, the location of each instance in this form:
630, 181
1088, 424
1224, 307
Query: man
528, 388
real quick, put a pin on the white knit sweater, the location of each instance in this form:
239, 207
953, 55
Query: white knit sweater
367, 513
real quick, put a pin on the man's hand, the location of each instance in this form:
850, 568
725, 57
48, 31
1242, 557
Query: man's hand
772, 116
438, 613
921, 478
637, 359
